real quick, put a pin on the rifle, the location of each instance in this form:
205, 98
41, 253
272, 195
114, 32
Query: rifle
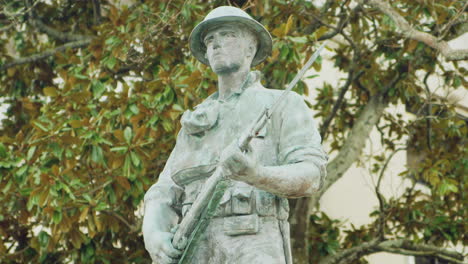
196, 220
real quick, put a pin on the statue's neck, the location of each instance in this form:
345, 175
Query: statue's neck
230, 83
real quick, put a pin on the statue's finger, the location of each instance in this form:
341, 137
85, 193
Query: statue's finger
164, 259
171, 251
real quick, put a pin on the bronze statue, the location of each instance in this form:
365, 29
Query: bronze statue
284, 160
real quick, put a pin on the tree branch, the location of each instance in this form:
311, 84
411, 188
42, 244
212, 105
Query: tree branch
63, 36
354, 143
341, 24
397, 246
133, 228
357, 137
409, 32
45, 54
339, 101
96, 12
6, 28
447, 26
381, 198
351, 253
406, 247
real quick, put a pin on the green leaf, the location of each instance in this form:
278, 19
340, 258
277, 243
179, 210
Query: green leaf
97, 155
135, 159
57, 217
113, 41
41, 126
119, 149
126, 167
312, 76
43, 239
153, 120
57, 150
7, 187
110, 62
456, 81
31, 152
98, 89
177, 107
284, 52
128, 134
31, 202
3, 151
134, 109
22, 170
101, 206
300, 40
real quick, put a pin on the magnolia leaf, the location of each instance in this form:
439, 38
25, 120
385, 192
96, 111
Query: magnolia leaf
50, 91
21, 170
3, 151
98, 222
98, 89
76, 238
123, 182
279, 31
75, 123
289, 24
128, 134
43, 239
31, 151
97, 154
119, 149
39, 125
127, 166
57, 217
134, 109
135, 159
320, 32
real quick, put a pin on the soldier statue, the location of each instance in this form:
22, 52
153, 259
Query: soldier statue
285, 160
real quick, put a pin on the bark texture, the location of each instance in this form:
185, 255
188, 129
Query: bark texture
349, 153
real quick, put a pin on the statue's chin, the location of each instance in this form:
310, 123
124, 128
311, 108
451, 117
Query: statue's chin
226, 69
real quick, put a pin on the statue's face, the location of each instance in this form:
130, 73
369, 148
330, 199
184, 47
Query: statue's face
227, 49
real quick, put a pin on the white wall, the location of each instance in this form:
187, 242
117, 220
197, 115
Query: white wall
352, 198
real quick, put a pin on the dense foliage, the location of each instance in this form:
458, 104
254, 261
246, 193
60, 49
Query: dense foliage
94, 91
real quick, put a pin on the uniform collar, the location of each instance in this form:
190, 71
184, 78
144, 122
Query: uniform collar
252, 78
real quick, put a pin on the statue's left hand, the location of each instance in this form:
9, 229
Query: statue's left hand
238, 165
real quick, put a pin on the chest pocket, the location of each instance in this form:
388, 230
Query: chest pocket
242, 200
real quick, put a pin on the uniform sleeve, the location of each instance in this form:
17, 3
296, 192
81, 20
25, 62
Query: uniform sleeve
299, 139
165, 190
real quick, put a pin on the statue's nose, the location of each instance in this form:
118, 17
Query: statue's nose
216, 43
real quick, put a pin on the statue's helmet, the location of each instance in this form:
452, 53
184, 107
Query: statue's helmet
228, 14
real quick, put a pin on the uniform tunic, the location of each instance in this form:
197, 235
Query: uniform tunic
290, 136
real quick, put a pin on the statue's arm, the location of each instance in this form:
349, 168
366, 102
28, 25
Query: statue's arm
300, 153
290, 181
301, 159
161, 215
160, 208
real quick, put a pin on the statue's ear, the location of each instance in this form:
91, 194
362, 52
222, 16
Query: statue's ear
251, 49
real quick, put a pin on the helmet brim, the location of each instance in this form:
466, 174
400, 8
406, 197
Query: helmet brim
198, 48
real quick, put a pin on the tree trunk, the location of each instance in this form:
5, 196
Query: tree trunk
299, 221
301, 208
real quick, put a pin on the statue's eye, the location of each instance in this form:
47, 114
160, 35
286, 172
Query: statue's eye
229, 34
208, 40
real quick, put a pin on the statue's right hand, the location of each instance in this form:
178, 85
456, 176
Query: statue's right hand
160, 248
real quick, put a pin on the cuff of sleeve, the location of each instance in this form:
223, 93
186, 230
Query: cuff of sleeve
323, 175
